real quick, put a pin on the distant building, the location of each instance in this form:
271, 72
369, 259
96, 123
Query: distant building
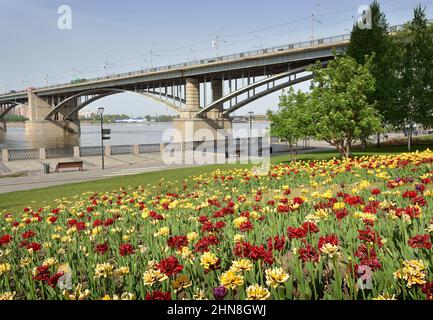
86, 114
131, 120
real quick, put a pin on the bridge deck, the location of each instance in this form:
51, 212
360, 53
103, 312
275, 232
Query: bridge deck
253, 60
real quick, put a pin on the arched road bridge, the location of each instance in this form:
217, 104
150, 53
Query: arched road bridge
203, 92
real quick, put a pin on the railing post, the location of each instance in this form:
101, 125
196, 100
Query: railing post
136, 149
161, 148
5, 155
107, 151
226, 147
260, 145
42, 154
215, 146
77, 152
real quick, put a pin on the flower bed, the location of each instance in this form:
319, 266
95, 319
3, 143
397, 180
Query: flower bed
356, 229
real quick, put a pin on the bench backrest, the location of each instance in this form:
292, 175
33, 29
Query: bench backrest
70, 164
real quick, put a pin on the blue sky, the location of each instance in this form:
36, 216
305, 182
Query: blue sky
124, 33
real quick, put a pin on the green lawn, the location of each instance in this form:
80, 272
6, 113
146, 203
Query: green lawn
36, 198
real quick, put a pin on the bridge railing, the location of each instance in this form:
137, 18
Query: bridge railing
23, 154
149, 148
59, 152
124, 149
47, 154
90, 151
294, 46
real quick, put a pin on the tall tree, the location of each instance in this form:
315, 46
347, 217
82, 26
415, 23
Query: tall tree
285, 122
338, 109
415, 97
377, 42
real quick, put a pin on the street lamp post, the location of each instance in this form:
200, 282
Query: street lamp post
250, 117
101, 112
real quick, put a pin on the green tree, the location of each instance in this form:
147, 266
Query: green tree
338, 109
415, 96
285, 123
376, 42
15, 118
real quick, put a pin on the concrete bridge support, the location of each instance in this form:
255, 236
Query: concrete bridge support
2, 128
38, 124
192, 99
72, 123
73, 126
198, 128
3, 125
39, 128
39, 108
217, 93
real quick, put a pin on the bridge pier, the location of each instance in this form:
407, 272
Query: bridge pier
196, 128
199, 129
39, 110
73, 127
217, 93
72, 124
47, 133
192, 95
2, 129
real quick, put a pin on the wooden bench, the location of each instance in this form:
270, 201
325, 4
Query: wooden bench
69, 165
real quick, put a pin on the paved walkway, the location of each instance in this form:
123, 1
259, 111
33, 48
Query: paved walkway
120, 165
35, 167
114, 166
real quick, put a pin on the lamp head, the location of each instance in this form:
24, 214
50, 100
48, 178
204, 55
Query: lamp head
101, 110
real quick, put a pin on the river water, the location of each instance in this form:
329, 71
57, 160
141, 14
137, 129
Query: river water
16, 136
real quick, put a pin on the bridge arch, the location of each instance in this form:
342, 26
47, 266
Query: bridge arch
5, 108
97, 94
266, 92
294, 77
9, 105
